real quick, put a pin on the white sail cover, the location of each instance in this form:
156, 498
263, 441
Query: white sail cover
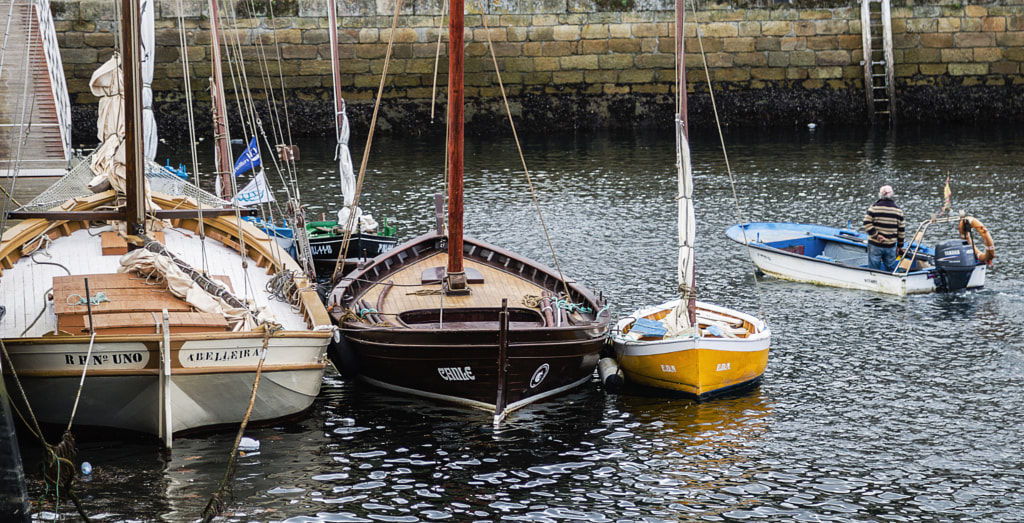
687, 227
107, 83
109, 162
149, 135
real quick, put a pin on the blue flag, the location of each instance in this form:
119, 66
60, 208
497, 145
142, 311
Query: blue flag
249, 159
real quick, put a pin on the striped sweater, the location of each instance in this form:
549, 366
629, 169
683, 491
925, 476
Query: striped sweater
885, 218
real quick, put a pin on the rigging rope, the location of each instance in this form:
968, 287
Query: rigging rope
190, 113
437, 59
343, 252
519, 149
732, 182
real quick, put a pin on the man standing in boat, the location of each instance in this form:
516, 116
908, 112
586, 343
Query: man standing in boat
884, 225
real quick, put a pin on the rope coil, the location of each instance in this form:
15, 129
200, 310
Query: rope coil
96, 299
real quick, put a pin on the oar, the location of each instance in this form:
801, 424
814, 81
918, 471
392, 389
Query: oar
908, 260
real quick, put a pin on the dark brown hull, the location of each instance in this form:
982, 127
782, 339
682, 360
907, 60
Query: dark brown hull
452, 352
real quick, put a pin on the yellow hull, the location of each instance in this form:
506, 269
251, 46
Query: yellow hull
698, 366
695, 371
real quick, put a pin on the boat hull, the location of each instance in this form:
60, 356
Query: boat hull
128, 383
831, 272
453, 352
700, 367
210, 379
326, 249
465, 370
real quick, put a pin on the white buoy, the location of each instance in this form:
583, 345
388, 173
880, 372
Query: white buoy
610, 373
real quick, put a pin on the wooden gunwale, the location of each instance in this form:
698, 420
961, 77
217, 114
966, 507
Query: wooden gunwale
358, 286
158, 338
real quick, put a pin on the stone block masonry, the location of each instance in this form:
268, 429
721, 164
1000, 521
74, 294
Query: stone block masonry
582, 64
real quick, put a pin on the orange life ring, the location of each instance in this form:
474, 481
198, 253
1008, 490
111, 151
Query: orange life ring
967, 226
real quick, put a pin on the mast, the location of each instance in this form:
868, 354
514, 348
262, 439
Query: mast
221, 134
455, 277
687, 225
135, 187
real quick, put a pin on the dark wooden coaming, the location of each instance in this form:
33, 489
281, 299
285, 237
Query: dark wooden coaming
357, 283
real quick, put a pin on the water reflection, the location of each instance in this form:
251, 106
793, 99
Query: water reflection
871, 408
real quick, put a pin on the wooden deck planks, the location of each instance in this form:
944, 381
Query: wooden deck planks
497, 285
22, 287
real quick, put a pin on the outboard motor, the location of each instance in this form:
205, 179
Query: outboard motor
954, 263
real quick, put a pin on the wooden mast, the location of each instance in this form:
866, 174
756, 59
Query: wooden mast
135, 186
456, 276
221, 134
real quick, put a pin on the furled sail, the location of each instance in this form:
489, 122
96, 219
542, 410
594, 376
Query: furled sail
109, 162
362, 222
687, 227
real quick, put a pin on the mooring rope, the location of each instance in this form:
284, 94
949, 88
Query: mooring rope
282, 287
215, 506
96, 299
425, 292
531, 300
53, 455
40, 315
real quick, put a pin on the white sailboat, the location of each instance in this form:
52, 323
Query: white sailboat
151, 310
684, 345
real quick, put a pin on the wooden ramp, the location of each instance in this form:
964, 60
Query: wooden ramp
35, 112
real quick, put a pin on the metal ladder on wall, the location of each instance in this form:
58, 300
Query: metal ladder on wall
879, 68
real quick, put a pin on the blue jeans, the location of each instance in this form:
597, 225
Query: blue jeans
882, 258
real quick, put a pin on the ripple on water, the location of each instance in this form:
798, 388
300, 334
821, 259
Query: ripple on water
873, 408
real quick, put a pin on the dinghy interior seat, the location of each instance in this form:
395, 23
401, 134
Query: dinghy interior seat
470, 318
848, 254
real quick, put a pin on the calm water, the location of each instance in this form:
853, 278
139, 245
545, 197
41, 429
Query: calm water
873, 408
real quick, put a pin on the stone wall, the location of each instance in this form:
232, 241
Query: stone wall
582, 64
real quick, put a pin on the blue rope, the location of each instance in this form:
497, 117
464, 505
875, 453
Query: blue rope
569, 306
364, 312
99, 298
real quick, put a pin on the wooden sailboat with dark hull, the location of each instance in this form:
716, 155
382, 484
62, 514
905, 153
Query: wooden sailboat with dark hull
483, 349
452, 318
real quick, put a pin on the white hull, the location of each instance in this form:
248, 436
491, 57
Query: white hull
810, 270
127, 383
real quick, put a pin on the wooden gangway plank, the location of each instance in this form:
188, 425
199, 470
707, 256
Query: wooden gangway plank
34, 108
